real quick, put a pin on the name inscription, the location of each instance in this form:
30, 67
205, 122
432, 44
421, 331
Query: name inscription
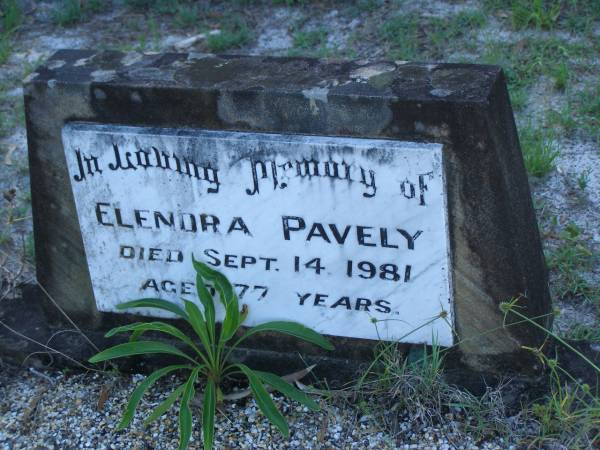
345, 235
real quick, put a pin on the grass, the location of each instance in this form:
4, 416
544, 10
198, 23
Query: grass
571, 257
71, 12
11, 18
539, 150
411, 36
581, 332
566, 416
568, 259
540, 14
307, 40
234, 34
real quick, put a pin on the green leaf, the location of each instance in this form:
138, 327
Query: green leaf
264, 401
141, 327
207, 302
137, 348
154, 303
197, 322
287, 389
221, 282
294, 329
208, 414
165, 405
185, 413
231, 322
139, 391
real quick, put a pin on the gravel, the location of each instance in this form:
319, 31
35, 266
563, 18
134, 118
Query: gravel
56, 410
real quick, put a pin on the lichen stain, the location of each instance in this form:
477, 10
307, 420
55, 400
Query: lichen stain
437, 131
372, 70
103, 75
131, 58
313, 95
57, 64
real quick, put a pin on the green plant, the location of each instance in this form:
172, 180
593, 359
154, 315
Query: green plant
542, 14
583, 179
234, 34
570, 257
187, 16
539, 150
210, 356
70, 12
11, 14
401, 31
561, 76
581, 332
310, 39
570, 414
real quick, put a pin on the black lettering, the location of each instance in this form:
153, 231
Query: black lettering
345, 301
150, 284
172, 289
361, 235
247, 260
237, 224
302, 298
229, 261
340, 238
158, 217
300, 225
191, 227
100, 214
139, 219
126, 251
410, 240
317, 230
154, 254
319, 299
208, 220
186, 288
215, 261
120, 219
381, 307
362, 304
384, 239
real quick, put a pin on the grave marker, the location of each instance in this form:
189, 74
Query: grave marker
367, 200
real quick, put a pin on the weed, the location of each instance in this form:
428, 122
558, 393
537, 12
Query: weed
539, 150
187, 16
234, 34
307, 40
581, 332
561, 76
30, 248
518, 98
542, 14
12, 16
583, 179
570, 414
211, 356
70, 12
401, 31
568, 259
565, 117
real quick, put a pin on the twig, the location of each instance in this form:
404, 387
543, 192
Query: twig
40, 374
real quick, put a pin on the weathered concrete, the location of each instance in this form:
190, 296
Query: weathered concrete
495, 246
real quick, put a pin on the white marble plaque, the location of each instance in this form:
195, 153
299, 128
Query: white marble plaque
347, 236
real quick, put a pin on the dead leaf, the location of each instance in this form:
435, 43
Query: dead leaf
238, 395
9, 195
32, 408
8, 157
104, 394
